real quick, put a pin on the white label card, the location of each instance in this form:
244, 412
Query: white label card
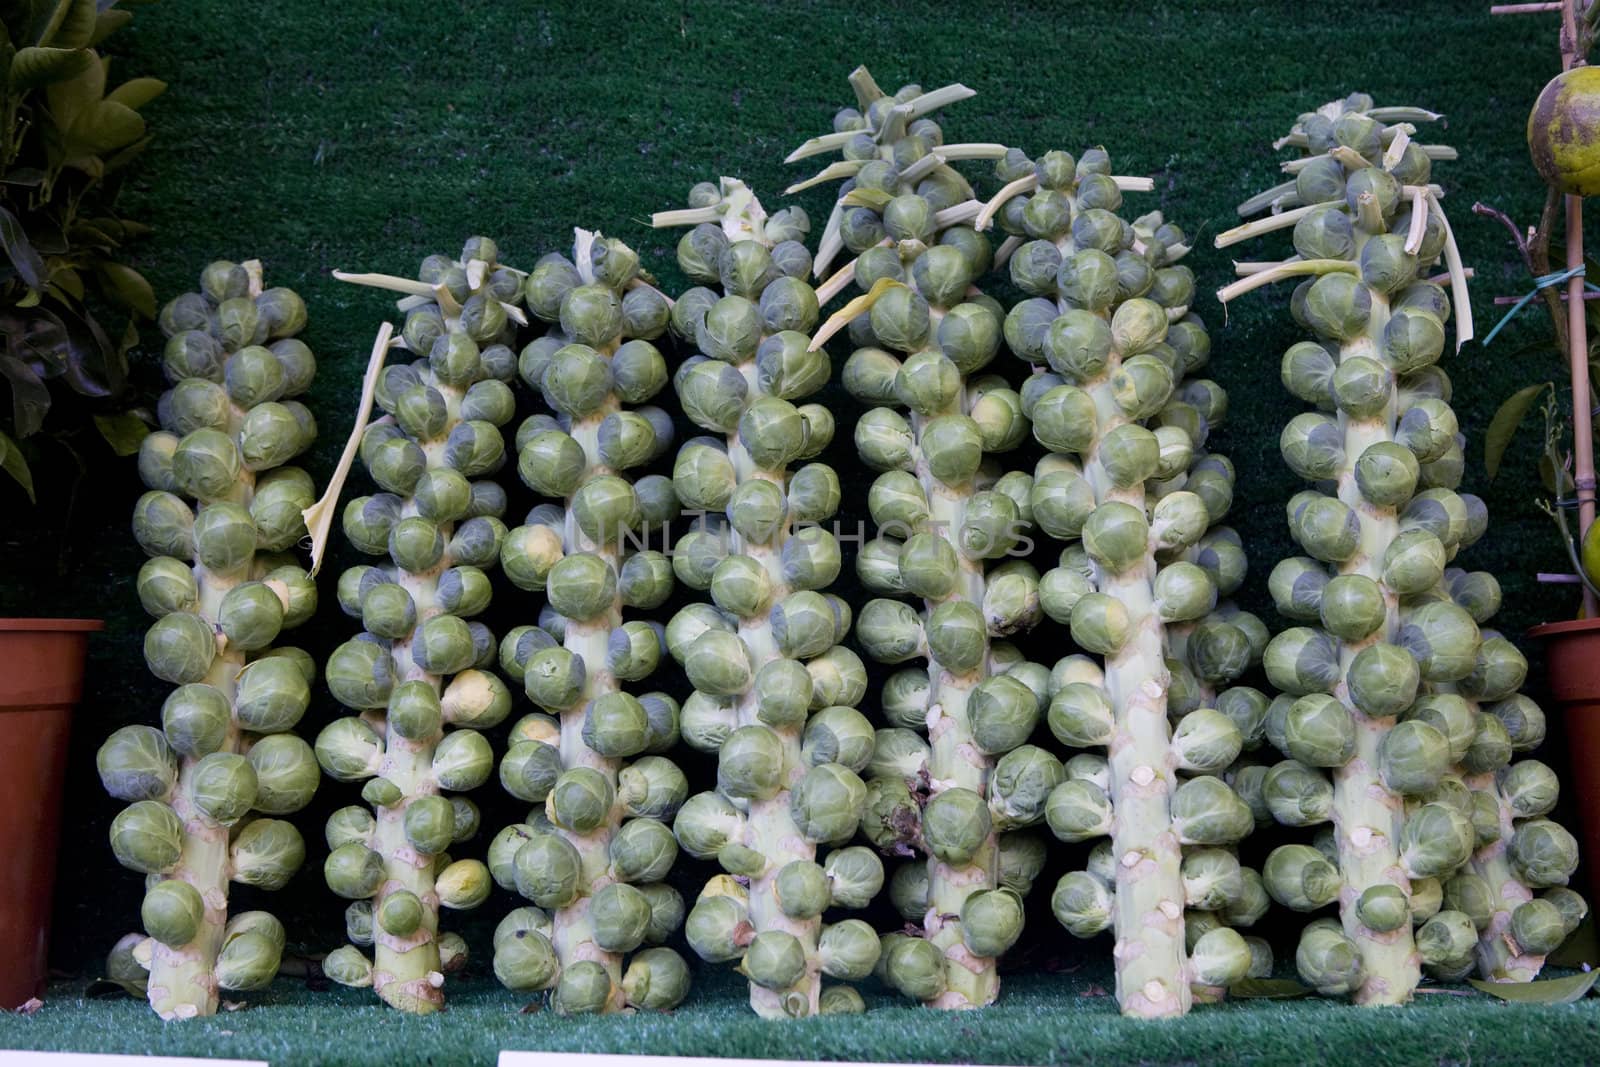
517, 1058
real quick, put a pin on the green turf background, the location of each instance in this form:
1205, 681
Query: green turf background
366, 135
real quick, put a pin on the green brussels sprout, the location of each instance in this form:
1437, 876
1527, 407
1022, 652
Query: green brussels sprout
838, 735
1435, 840
656, 980
136, 763
1542, 853
1472, 896
801, 890
991, 921
1082, 902
1078, 810
546, 870
914, 967
1446, 937
1538, 927
1327, 960
1297, 795
1300, 878
642, 851
718, 927
1003, 713
286, 773
750, 763
1205, 811
180, 648
1100, 624
1319, 731
1080, 715
1530, 788
1412, 757
266, 853
1206, 741
165, 586
584, 988
147, 836
827, 803
1442, 638
854, 876
172, 912
774, 959
353, 871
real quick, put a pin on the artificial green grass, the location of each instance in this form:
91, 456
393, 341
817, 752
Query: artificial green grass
364, 136
1042, 1019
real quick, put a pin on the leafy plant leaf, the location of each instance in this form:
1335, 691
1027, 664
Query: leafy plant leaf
106, 23
30, 397
106, 127
130, 288
72, 98
137, 92
122, 432
1503, 427
76, 29
1568, 990
29, 264
1270, 989
93, 367
14, 464
35, 66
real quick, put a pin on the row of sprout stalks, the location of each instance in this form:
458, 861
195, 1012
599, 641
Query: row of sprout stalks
684, 514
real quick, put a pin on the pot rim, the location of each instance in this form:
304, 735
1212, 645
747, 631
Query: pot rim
1565, 628
51, 625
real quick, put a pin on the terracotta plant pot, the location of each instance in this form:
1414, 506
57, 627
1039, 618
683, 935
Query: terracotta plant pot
1572, 658
41, 680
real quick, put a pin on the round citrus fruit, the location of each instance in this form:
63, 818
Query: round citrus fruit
1564, 131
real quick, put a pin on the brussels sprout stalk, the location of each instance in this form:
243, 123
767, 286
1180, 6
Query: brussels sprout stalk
224, 750
1380, 327
767, 570
1109, 315
596, 873
416, 671
942, 514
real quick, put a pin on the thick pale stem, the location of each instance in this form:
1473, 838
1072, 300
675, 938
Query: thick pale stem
183, 982
1151, 963
956, 763
1367, 816
574, 938
406, 970
770, 828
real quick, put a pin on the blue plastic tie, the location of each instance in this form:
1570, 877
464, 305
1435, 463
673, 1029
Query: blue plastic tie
1541, 283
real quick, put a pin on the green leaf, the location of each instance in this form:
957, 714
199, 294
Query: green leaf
137, 92
1269, 989
1503, 427
44, 31
33, 67
109, 22
107, 127
1568, 990
13, 463
122, 432
76, 29
130, 287
30, 267
72, 98
30, 397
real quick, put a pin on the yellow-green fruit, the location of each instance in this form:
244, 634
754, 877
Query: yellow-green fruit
1564, 132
